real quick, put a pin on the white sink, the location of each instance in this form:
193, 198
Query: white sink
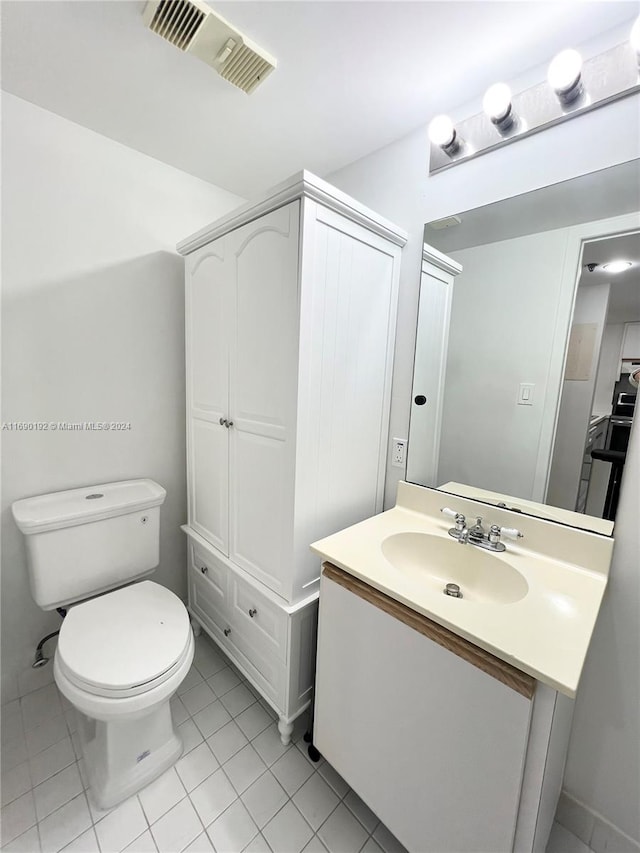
534, 605
436, 561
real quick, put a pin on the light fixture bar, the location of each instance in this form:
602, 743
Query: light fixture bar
604, 78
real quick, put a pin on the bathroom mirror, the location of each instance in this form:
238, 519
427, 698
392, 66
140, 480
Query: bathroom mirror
533, 406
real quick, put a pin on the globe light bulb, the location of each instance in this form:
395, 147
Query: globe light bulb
564, 75
442, 132
497, 102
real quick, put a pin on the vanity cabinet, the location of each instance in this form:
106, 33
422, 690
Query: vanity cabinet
290, 325
453, 749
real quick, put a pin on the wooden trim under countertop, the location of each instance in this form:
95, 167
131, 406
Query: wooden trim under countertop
493, 666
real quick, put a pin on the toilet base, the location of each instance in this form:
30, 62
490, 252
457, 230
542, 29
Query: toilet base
123, 756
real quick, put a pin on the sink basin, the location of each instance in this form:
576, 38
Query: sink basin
436, 561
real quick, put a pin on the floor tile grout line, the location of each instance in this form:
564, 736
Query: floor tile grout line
239, 796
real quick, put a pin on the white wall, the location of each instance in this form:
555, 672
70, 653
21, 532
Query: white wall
605, 748
609, 368
576, 403
503, 324
93, 330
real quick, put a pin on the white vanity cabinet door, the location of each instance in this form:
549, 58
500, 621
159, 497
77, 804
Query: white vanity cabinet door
262, 395
433, 745
434, 312
207, 298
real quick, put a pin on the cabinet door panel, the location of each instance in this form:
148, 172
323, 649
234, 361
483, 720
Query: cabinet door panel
259, 500
263, 374
209, 510
207, 332
451, 738
207, 307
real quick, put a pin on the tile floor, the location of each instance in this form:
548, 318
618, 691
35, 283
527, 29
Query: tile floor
236, 788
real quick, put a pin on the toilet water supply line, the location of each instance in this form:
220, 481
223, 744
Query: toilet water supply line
39, 659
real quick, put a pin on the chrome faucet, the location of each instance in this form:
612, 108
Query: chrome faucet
477, 535
463, 535
477, 532
460, 531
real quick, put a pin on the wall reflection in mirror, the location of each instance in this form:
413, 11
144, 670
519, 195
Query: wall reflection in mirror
534, 302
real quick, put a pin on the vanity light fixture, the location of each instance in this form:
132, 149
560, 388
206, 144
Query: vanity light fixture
573, 86
497, 107
443, 134
617, 266
565, 77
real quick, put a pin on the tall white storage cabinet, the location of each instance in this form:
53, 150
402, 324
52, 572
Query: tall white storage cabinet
290, 326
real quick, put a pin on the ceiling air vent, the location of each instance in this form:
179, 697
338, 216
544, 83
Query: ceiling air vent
195, 28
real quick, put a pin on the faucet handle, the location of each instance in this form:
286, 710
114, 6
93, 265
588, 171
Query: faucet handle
511, 533
460, 520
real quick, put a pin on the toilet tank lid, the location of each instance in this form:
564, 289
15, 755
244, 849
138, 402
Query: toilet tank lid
88, 504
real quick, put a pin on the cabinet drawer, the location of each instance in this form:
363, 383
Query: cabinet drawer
259, 620
215, 572
266, 670
206, 605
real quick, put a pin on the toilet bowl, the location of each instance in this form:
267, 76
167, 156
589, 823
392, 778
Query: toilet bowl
120, 658
125, 643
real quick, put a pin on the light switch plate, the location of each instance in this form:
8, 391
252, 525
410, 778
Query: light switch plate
525, 393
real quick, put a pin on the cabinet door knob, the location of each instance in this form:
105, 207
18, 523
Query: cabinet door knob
223, 422
252, 612
229, 424
227, 631
204, 569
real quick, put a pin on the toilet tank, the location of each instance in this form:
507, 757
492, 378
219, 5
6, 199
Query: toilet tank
85, 541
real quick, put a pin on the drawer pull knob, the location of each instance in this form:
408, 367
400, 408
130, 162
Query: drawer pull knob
252, 612
204, 570
227, 631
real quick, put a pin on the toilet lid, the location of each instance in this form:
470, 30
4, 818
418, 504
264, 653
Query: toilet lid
124, 638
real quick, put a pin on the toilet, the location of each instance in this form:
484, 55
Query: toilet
125, 644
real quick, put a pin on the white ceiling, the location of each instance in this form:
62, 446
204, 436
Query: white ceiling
352, 76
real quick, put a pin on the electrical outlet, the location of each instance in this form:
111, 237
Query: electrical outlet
398, 452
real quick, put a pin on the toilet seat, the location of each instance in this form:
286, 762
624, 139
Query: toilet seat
125, 643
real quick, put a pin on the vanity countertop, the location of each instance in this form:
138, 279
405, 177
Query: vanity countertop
595, 420
546, 633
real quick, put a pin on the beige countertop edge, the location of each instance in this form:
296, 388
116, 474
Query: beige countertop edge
564, 679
